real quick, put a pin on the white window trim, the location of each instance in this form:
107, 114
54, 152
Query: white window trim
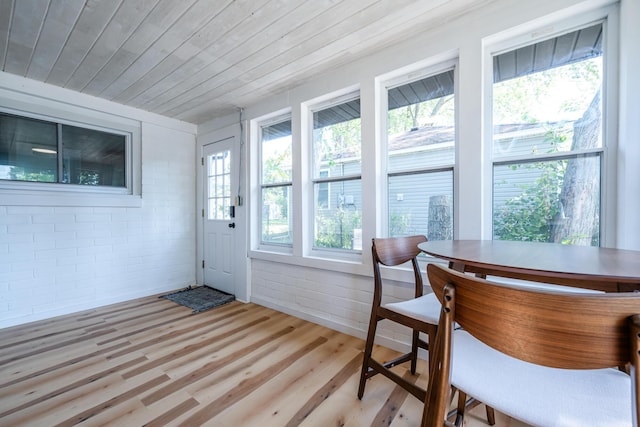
401, 77
529, 34
256, 126
309, 107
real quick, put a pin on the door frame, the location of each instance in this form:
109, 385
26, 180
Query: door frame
241, 262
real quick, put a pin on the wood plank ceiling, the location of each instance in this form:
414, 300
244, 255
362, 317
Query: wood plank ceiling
198, 59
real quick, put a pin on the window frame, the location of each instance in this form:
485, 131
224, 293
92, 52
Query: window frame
260, 125
407, 77
311, 107
60, 157
531, 35
27, 193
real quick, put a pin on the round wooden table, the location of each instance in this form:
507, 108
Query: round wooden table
611, 270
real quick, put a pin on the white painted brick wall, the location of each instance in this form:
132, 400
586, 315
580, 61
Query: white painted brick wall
58, 260
340, 301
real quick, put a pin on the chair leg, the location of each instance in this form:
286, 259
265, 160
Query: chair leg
414, 351
368, 349
462, 404
462, 407
432, 339
491, 416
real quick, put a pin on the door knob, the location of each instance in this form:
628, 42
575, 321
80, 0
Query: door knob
232, 225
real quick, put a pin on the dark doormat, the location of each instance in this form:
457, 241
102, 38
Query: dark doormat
200, 298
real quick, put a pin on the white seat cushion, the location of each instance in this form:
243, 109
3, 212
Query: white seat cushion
425, 308
539, 395
541, 286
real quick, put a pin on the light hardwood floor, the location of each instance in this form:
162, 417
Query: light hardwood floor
152, 362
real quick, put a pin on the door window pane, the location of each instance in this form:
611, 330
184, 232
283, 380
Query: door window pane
219, 183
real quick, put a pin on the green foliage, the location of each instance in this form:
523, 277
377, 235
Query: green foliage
534, 97
337, 141
336, 231
434, 112
553, 95
274, 169
528, 217
19, 174
399, 224
89, 178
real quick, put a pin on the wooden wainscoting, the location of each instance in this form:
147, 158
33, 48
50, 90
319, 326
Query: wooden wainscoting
152, 362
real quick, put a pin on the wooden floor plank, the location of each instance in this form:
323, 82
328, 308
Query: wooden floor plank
283, 396
43, 389
152, 362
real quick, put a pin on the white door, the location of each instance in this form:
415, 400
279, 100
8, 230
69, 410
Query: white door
218, 214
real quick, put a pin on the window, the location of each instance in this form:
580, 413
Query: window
276, 183
336, 158
34, 150
421, 156
548, 139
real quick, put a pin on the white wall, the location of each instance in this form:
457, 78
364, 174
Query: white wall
338, 294
56, 260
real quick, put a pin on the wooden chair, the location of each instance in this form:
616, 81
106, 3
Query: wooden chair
420, 313
543, 357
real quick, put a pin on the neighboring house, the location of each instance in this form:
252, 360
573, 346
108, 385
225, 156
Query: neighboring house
427, 146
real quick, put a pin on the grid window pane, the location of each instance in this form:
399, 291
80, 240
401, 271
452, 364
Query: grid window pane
336, 140
219, 185
276, 153
421, 204
277, 225
276, 216
92, 157
341, 227
42, 151
531, 201
421, 123
28, 149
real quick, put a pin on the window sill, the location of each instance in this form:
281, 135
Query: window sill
353, 266
41, 198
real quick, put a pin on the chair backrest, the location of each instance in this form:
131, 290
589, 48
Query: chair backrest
393, 251
555, 329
